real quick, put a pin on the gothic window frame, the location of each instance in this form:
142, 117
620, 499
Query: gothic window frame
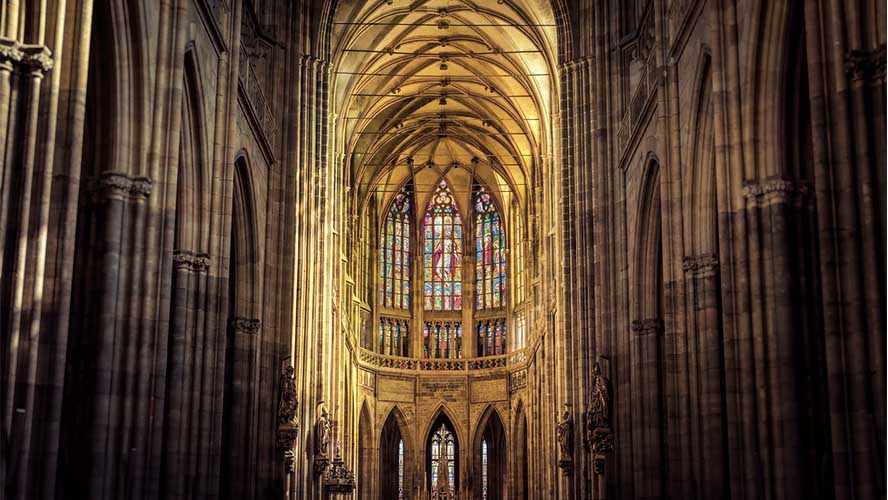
491, 263
442, 215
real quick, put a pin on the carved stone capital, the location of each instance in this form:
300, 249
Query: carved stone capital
10, 53
699, 266
194, 262
119, 186
248, 326
644, 327
866, 65
36, 59
774, 191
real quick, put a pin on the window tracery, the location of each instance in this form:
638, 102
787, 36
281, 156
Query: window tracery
442, 247
394, 253
490, 252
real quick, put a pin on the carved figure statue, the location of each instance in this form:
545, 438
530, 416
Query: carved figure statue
323, 431
600, 411
289, 404
565, 431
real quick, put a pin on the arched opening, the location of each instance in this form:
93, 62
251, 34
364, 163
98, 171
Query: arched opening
442, 459
394, 459
519, 454
365, 453
490, 457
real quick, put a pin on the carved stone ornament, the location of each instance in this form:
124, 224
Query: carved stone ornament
602, 444
194, 262
337, 477
248, 326
564, 433
699, 266
289, 404
119, 186
647, 326
775, 190
287, 427
866, 65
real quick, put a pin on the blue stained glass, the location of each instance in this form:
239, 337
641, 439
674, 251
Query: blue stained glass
490, 245
442, 250
395, 252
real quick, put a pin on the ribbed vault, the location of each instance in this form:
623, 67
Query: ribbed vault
434, 88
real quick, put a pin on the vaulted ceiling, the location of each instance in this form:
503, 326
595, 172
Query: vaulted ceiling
456, 88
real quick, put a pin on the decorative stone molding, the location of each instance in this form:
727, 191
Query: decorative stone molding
518, 380
866, 65
700, 266
644, 327
773, 191
248, 326
194, 262
337, 477
119, 186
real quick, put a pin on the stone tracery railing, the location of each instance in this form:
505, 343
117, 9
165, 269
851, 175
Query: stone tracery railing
376, 360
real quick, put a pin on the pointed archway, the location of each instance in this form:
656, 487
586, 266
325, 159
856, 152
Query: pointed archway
395, 458
365, 453
490, 457
442, 457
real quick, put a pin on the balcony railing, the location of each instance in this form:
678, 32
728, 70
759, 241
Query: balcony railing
506, 361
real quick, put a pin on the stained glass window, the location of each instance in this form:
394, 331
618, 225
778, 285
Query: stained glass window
442, 249
484, 469
401, 470
393, 336
443, 442
490, 252
394, 254
491, 337
442, 339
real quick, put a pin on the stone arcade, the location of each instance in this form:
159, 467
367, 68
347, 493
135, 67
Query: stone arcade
442, 249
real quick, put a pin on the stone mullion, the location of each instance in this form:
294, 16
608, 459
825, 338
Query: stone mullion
853, 324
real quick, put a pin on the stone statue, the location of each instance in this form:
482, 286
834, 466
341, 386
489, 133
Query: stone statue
600, 410
289, 404
324, 426
565, 431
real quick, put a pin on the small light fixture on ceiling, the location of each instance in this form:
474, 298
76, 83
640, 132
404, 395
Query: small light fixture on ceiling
454, 164
443, 100
430, 164
443, 66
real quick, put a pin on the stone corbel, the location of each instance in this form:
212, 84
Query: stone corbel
10, 53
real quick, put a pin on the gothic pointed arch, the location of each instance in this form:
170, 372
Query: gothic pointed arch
365, 452
442, 457
396, 457
490, 456
519, 453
